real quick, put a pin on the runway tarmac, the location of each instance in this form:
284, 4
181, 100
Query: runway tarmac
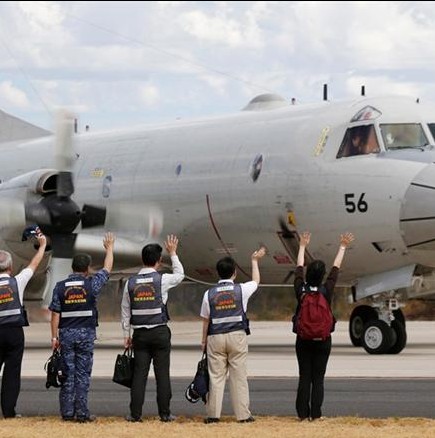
271, 352
371, 398
356, 383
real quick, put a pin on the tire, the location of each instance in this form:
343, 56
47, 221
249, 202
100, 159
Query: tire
359, 317
400, 337
377, 337
399, 316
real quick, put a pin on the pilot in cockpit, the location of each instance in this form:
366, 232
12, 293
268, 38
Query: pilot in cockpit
359, 140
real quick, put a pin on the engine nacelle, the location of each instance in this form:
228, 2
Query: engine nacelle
38, 182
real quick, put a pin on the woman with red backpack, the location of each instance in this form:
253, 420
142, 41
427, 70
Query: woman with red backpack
313, 324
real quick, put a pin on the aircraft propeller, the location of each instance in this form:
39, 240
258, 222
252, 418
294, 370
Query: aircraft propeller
57, 214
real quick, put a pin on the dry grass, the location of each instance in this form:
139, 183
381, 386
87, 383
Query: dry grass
344, 427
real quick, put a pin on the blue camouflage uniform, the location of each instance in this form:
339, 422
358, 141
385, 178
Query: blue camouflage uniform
76, 300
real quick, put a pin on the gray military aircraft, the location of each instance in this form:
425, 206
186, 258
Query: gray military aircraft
227, 184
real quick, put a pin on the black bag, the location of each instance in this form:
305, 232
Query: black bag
55, 374
124, 368
199, 387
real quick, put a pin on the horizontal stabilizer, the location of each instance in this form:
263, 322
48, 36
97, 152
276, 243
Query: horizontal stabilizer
13, 128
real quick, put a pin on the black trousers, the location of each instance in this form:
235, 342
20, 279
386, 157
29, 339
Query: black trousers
312, 359
11, 355
151, 345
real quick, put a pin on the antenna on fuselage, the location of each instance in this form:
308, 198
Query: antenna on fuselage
363, 90
325, 91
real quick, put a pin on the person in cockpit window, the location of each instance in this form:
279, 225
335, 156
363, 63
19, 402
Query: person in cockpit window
358, 140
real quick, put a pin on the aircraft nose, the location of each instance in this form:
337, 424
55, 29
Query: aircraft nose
417, 216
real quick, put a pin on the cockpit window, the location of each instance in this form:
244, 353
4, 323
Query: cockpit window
359, 140
403, 136
432, 129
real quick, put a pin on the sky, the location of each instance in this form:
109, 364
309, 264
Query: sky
122, 64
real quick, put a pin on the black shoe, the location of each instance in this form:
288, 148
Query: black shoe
132, 419
167, 418
89, 419
210, 420
250, 419
68, 419
14, 416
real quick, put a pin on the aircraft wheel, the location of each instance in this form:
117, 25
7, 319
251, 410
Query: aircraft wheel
359, 317
377, 337
400, 337
399, 316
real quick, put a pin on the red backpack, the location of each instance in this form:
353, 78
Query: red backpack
314, 320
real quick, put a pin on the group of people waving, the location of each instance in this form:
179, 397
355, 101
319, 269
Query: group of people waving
145, 326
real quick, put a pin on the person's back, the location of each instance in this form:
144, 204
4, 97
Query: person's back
12, 320
225, 326
313, 324
73, 328
144, 310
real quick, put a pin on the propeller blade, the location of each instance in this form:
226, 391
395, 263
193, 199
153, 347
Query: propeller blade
65, 185
127, 251
145, 220
64, 152
37, 213
93, 216
58, 270
12, 213
63, 245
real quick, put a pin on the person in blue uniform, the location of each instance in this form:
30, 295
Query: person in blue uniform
12, 321
73, 321
144, 310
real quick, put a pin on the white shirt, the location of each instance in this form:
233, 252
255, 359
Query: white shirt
248, 289
168, 282
22, 279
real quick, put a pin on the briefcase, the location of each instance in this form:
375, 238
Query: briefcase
124, 368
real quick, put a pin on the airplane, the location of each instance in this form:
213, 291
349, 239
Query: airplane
227, 184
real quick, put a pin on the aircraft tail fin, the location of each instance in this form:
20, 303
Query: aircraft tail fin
12, 128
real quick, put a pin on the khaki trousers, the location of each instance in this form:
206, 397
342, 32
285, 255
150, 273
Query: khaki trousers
227, 353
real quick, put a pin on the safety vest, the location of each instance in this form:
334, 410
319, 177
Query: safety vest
11, 310
77, 303
226, 309
146, 302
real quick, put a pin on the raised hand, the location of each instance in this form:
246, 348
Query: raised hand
171, 244
305, 238
346, 239
109, 240
256, 255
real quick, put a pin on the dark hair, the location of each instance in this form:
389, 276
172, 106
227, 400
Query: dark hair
315, 273
81, 262
362, 132
151, 254
226, 268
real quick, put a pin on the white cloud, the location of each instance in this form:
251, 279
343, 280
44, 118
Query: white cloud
42, 13
149, 95
116, 59
13, 96
221, 28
